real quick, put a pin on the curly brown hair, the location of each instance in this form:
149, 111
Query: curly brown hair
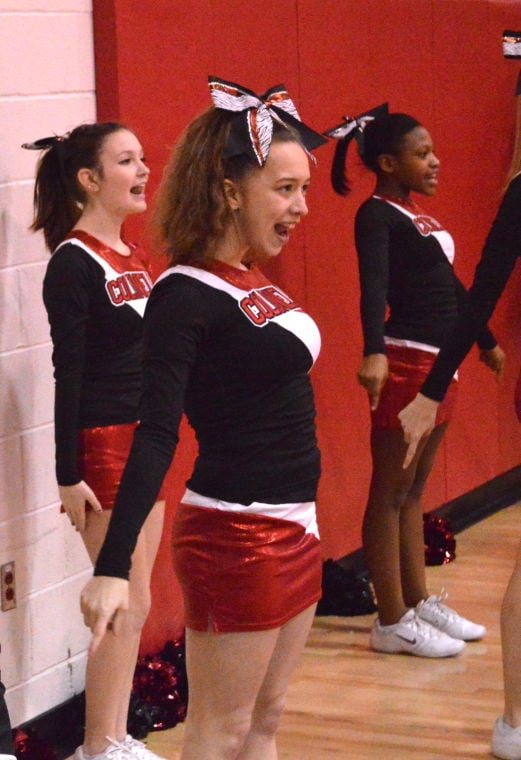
190, 214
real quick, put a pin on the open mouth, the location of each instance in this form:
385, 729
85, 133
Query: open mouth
138, 190
283, 231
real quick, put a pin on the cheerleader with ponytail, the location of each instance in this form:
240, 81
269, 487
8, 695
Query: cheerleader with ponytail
410, 298
95, 290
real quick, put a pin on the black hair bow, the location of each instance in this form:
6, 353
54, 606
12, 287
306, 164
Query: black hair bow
511, 42
44, 143
352, 128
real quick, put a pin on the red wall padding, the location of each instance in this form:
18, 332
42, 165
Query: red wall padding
441, 62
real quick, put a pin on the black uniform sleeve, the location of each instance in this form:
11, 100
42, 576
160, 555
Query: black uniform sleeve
67, 289
501, 250
372, 235
485, 338
173, 330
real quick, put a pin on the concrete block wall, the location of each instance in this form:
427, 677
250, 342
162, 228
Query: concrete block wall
46, 87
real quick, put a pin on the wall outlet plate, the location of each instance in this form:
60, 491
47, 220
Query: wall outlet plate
8, 586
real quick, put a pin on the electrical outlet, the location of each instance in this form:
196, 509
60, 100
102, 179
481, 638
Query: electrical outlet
8, 586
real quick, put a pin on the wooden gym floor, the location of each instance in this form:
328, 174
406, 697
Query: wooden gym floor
347, 702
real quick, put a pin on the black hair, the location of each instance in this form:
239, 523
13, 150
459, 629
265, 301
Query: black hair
383, 135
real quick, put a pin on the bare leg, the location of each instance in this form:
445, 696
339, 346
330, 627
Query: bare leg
260, 742
382, 530
110, 670
510, 627
412, 551
237, 686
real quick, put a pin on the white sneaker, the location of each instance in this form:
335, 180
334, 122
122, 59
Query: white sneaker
506, 741
114, 751
138, 749
414, 636
442, 617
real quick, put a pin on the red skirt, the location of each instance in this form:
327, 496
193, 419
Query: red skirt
243, 572
408, 370
102, 456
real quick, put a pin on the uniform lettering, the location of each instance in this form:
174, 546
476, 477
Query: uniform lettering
426, 224
264, 304
129, 286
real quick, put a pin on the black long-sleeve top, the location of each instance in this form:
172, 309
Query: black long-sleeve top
234, 353
500, 253
91, 293
406, 273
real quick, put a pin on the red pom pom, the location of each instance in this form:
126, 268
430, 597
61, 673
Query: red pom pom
440, 544
160, 687
30, 746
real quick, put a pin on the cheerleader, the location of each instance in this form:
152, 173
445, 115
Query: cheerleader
500, 253
410, 298
233, 351
95, 290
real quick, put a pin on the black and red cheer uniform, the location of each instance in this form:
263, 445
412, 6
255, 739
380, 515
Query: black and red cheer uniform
500, 253
410, 298
234, 352
95, 299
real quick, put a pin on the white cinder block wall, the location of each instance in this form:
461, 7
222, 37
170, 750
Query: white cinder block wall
46, 87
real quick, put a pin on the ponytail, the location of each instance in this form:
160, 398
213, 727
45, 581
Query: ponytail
58, 197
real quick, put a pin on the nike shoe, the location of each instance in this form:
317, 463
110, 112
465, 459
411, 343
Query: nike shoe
139, 750
442, 617
114, 751
412, 635
506, 741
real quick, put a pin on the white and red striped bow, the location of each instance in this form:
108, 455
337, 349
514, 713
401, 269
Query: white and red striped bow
260, 112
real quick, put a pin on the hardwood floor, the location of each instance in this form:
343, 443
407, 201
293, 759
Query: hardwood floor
349, 702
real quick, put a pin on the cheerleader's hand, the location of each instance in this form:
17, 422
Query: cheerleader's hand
494, 360
372, 375
74, 499
418, 419
102, 601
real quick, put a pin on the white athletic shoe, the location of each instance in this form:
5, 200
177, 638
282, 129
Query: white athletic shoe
139, 750
114, 751
506, 741
413, 636
442, 617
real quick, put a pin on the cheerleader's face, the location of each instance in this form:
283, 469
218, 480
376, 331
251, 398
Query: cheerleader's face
416, 166
118, 185
270, 201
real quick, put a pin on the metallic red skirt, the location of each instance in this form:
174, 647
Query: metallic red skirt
243, 572
102, 455
408, 369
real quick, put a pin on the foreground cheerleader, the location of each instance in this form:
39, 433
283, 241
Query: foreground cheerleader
234, 352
